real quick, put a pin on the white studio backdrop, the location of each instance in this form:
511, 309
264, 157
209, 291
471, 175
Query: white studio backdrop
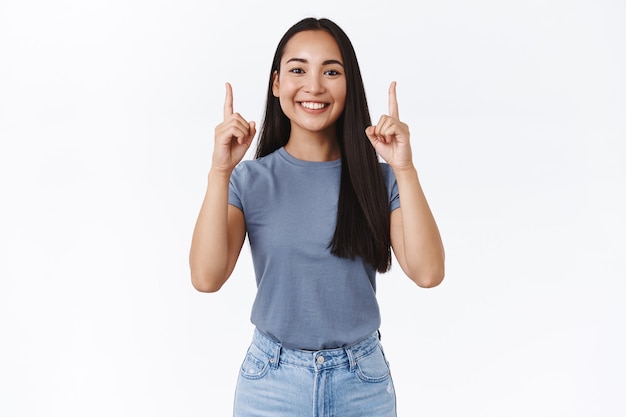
107, 111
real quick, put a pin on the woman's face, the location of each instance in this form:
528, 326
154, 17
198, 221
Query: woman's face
311, 85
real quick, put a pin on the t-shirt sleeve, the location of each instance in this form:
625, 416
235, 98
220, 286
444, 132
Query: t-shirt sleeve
392, 187
236, 188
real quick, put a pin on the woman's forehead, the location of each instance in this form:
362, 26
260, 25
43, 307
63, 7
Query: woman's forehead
312, 44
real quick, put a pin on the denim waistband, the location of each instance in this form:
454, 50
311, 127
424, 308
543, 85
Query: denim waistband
319, 359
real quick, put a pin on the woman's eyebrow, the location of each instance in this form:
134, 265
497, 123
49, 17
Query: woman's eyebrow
304, 61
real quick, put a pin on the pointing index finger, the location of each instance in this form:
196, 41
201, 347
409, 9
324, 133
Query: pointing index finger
228, 101
393, 101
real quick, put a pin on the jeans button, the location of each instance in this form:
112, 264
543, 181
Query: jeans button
320, 359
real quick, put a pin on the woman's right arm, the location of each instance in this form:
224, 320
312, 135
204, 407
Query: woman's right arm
220, 229
217, 237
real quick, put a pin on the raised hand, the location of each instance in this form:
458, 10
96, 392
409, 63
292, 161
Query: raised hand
390, 137
232, 137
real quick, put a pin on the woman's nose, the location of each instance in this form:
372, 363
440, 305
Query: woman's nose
314, 84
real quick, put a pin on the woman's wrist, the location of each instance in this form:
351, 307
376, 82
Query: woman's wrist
220, 174
404, 170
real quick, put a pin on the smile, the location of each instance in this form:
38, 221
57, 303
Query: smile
313, 105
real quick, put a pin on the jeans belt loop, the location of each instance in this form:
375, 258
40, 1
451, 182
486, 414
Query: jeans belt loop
276, 358
351, 359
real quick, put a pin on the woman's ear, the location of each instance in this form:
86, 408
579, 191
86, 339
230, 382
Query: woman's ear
275, 84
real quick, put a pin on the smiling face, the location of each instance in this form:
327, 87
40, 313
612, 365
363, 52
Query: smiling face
311, 84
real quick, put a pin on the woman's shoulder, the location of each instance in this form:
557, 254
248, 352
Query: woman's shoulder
256, 166
387, 171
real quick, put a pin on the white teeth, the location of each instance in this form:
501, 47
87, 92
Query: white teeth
313, 106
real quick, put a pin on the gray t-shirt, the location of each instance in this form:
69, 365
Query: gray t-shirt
306, 297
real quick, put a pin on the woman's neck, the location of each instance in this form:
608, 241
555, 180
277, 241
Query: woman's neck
314, 148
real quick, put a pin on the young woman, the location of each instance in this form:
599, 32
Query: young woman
321, 213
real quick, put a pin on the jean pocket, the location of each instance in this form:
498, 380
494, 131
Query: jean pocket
373, 367
255, 365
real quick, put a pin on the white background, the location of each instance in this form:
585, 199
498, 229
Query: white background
107, 111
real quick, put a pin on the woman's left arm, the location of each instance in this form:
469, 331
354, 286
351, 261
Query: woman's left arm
415, 237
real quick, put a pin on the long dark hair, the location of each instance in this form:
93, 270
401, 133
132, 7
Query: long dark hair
363, 209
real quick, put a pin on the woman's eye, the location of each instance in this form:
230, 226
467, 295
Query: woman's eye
331, 72
297, 70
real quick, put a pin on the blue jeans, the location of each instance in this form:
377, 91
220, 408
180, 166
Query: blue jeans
346, 382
